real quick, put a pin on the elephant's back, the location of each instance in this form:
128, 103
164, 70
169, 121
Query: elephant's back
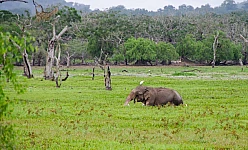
169, 95
165, 93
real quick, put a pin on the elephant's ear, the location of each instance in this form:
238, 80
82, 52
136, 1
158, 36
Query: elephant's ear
146, 94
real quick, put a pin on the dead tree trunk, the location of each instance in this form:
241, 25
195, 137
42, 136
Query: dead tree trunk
245, 47
68, 59
27, 66
108, 80
58, 78
93, 73
27, 70
98, 61
105, 63
241, 64
58, 74
48, 73
215, 44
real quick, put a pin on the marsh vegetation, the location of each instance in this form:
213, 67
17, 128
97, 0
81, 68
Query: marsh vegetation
81, 114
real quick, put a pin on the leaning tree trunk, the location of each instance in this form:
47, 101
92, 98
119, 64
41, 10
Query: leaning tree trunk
27, 70
48, 73
27, 66
215, 44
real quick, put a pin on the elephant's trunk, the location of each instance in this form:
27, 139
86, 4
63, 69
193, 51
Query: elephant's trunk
130, 97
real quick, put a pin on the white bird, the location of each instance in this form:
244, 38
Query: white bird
141, 82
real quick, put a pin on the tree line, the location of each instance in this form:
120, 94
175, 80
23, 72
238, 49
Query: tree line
135, 39
164, 38
226, 6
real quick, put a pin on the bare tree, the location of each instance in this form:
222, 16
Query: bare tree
215, 44
48, 73
98, 61
68, 58
245, 46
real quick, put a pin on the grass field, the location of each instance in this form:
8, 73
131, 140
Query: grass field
81, 114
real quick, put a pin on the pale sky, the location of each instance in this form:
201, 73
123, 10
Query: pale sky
147, 4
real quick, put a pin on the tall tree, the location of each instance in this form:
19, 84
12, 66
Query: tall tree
166, 52
140, 50
187, 47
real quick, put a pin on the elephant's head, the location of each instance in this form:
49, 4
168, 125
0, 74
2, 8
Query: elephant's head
138, 94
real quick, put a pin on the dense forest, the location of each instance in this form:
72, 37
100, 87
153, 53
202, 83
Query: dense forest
118, 35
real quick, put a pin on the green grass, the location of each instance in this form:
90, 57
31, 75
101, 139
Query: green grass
83, 115
183, 74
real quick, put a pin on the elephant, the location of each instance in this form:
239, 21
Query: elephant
150, 96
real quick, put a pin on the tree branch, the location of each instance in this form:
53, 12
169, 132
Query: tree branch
62, 32
16, 45
243, 38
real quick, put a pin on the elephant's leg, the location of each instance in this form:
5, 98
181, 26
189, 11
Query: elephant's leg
149, 103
